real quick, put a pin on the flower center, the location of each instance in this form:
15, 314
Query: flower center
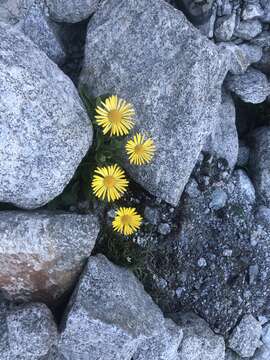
139, 149
115, 116
109, 181
126, 219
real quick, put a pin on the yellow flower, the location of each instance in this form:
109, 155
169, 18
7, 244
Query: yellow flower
115, 116
126, 221
140, 150
109, 182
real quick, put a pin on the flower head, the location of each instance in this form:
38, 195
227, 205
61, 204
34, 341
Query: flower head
109, 182
140, 150
115, 116
127, 221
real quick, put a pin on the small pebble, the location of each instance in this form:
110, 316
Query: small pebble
202, 263
164, 229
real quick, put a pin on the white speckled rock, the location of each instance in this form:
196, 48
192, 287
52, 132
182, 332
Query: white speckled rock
27, 333
41, 254
110, 316
30, 17
148, 53
259, 163
245, 338
224, 140
44, 129
252, 86
71, 11
199, 341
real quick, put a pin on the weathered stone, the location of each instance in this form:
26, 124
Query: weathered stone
262, 40
42, 254
252, 11
264, 63
248, 29
71, 11
111, 317
43, 32
263, 353
241, 56
48, 131
224, 27
230, 355
199, 341
243, 154
259, 163
205, 267
218, 199
12, 11
162, 347
245, 338
30, 17
27, 333
224, 140
252, 86
158, 46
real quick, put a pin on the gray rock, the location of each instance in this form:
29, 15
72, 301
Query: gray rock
230, 355
192, 189
199, 341
111, 317
137, 67
48, 131
28, 332
266, 335
31, 331
248, 29
252, 11
152, 215
162, 347
259, 163
43, 32
262, 354
29, 16
263, 215
243, 154
262, 40
245, 188
223, 142
251, 87
71, 11
42, 254
245, 338
224, 27
164, 229
218, 199
241, 56
12, 11
264, 63
220, 290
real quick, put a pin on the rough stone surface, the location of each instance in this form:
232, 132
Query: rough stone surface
217, 263
28, 332
264, 63
41, 254
248, 29
71, 11
241, 56
245, 338
259, 163
230, 355
134, 58
251, 87
263, 353
43, 32
224, 27
48, 131
199, 341
111, 317
224, 139
243, 154
162, 347
30, 17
